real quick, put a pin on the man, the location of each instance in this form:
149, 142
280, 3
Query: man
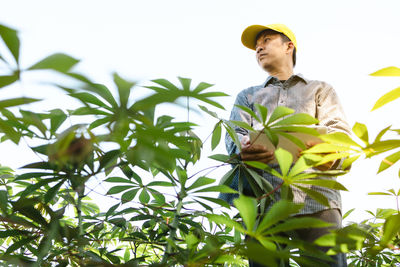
275, 46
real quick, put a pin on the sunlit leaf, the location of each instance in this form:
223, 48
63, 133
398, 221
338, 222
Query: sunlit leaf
224, 220
59, 62
324, 183
279, 211
297, 223
361, 131
390, 228
248, 210
284, 159
388, 71
299, 118
279, 112
389, 161
386, 98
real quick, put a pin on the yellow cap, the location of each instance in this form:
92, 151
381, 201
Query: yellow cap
250, 33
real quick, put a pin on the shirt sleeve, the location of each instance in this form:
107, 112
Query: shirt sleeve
238, 115
330, 112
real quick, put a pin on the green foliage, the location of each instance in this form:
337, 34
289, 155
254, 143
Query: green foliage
162, 210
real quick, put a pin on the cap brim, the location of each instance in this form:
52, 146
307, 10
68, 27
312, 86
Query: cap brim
250, 33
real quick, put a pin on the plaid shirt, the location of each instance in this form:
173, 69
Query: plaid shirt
316, 98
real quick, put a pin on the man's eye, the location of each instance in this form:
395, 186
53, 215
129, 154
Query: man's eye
266, 39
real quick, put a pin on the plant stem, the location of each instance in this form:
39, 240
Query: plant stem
174, 225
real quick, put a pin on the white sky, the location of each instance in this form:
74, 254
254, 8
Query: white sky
340, 42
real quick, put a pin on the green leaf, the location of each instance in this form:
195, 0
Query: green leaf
182, 175
348, 213
124, 88
297, 223
9, 131
51, 193
232, 134
89, 111
228, 177
284, 159
129, 195
386, 98
250, 112
212, 113
218, 201
19, 243
220, 157
185, 83
216, 135
160, 183
217, 188
278, 212
389, 161
57, 117
323, 183
58, 62
17, 102
108, 158
263, 112
201, 87
379, 194
224, 220
301, 165
315, 195
87, 98
118, 189
8, 79
299, 118
248, 210
144, 197
390, 229
118, 180
3, 201
243, 125
389, 71
361, 131
279, 112
11, 40
202, 181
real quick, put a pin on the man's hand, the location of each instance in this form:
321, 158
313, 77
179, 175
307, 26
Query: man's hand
255, 152
324, 167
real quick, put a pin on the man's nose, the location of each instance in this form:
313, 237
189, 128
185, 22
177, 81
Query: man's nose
258, 49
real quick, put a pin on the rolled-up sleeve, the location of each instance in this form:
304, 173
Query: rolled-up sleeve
330, 112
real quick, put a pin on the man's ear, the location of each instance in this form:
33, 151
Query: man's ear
290, 46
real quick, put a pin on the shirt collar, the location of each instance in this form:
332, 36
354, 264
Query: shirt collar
271, 79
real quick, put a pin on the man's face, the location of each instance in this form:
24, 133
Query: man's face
271, 51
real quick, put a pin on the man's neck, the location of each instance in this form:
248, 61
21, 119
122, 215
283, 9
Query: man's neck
281, 74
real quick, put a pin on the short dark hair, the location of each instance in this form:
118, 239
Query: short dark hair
284, 39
